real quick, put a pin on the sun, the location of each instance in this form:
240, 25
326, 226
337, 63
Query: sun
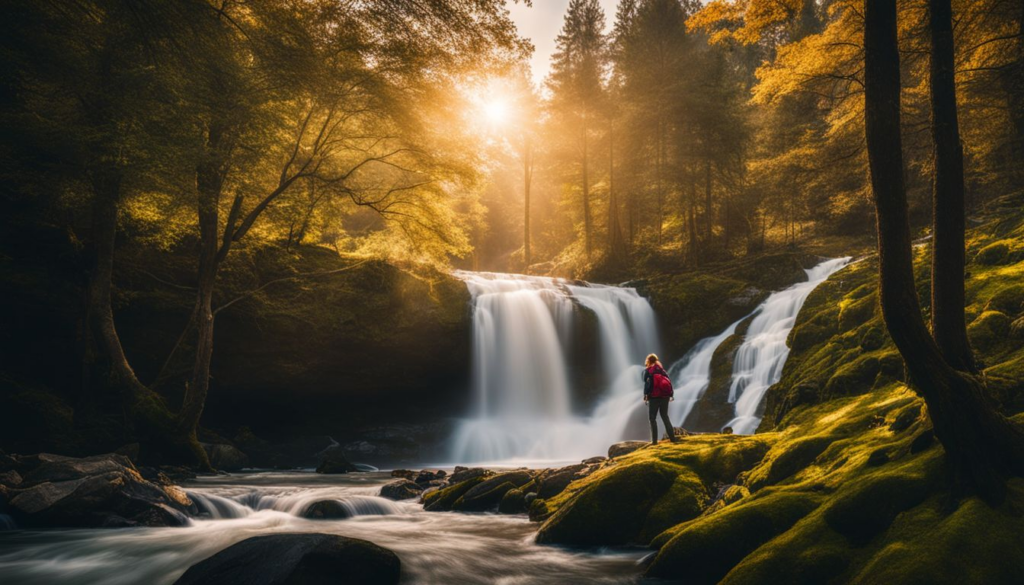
496, 111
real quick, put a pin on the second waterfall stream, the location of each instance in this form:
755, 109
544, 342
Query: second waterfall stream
525, 406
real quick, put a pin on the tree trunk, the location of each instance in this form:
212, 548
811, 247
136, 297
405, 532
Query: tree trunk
527, 179
707, 204
657, 175
694, 255
587, 227
981, 445
948, 263
614, 232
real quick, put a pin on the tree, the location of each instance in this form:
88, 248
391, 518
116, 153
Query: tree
577, 69
982, 446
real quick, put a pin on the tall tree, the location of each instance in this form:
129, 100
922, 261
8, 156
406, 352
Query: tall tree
577, 70
982, 446
948, 262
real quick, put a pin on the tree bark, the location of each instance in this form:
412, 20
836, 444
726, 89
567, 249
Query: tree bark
948, 224
694, 255
614, 231
708, 215
527, 180
982, 446
587, 227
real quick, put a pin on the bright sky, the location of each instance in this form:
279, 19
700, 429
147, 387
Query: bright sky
541, 23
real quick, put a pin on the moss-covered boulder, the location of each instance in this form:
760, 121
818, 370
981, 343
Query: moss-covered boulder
989, 330
442, 500
993, 254
646, 491
487, 494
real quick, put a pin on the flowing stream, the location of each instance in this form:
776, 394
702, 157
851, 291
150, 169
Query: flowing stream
435, 548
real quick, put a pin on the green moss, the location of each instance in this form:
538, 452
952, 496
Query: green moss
993, 254
855, 377
989, 330
705, 549
442, 500
786, 460
1009, 300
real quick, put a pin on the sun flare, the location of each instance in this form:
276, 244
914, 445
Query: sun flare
496, 111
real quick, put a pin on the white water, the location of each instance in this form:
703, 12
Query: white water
524, 406
435, 548
759, 360
692, 374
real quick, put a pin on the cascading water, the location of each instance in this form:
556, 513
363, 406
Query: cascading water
759, 360
523, 402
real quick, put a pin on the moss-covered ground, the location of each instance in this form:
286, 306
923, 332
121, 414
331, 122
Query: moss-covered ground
845, 482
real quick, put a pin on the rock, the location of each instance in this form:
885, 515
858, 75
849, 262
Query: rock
679, 432
513, 502
427, 476
10, 478
462, 474
404, 473
905, 419
593, 460
326, 510
99, 491
297, 559
922, 441
727, 431
335, 462
403, 489
878, 457
624, 448
442, 500
487, 494
557, 480
529, 498
225, 457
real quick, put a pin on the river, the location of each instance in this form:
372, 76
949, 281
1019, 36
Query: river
434, 547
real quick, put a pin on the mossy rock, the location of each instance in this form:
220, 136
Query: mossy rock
612, 511
1009, 300
706, 549
853, 378
513, 502
994, 254
873, 338
488, 494
443, 499
784, 461
989, 330
863, 511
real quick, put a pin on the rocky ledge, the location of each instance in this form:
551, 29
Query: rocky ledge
48, 490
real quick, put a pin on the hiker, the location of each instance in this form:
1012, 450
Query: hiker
657, 394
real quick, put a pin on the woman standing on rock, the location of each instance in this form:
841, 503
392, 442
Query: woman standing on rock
657, 394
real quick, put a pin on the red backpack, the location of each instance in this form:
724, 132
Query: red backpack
661, 386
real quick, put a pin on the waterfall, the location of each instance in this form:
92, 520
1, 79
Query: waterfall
523, 404
692, 374
761, 357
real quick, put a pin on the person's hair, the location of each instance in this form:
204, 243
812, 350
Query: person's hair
651, 360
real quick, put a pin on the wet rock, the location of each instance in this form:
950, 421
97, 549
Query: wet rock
294, 559
334, 462
678, 431
226, 457
402, 489
462, 474
404, 473
529, 498
10, 478
487, 494
624, 448
326, 510
513, 502
593, 460
131, 451
727, 431
99, 491
442, 500
427, 476
557, 480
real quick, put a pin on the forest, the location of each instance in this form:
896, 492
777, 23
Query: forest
316, 291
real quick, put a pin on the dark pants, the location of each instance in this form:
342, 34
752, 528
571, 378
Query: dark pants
655, 406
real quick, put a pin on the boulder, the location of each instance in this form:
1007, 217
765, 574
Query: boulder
426, 476
462, 474
404, 473
10, 478
595, 460
513, 502
557, 480
294, 559
225, 457
99, 491
326, 510
624, 448
334, 462
402, 489
488, 494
